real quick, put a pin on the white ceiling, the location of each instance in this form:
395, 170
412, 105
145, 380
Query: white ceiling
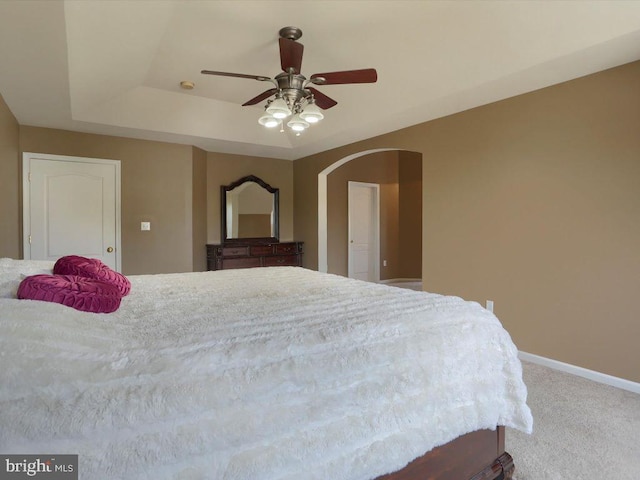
114, 67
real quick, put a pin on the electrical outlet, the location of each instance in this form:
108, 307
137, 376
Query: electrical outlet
490, 305
145, 226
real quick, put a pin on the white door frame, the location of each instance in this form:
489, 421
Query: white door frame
374, 251
26, 201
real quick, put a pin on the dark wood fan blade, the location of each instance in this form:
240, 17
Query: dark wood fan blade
322, 100
259, 98
367, 75
238, 75
291, 55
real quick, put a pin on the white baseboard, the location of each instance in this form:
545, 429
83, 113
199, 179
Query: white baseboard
400, 280
581, 372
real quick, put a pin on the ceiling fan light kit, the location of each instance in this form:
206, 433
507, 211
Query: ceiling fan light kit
293, 95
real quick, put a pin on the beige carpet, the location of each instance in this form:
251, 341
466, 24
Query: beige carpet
410, 285
582, 429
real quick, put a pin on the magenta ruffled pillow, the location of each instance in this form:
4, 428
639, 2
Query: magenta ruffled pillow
91, 268
81, 293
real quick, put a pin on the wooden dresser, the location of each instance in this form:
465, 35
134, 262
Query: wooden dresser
247, 255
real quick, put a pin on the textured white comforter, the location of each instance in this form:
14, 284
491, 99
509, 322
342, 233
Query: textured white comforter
268, 373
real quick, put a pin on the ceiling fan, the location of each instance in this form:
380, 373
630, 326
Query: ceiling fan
293, 95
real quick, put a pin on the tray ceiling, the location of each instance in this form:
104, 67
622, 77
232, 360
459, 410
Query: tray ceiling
115, 67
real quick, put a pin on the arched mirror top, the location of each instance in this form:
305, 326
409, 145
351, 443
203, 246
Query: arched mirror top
249, 211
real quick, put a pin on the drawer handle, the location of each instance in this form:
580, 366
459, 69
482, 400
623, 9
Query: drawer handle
280, 260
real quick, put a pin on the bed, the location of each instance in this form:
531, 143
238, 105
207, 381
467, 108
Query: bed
266, 373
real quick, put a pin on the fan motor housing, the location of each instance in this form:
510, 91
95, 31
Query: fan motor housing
292, 86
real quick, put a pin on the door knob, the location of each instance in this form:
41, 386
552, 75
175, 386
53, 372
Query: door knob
109, 249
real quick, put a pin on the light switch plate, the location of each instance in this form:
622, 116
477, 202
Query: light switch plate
145, 226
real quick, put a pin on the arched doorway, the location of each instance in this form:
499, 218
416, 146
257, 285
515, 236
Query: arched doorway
328, 239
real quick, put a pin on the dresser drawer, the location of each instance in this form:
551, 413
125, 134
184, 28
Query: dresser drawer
241, 251
282, 248
281, 261
261, 250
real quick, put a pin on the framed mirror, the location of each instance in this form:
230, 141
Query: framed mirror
249, 211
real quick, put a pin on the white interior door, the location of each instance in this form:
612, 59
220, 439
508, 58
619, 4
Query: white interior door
364, 231
71, 207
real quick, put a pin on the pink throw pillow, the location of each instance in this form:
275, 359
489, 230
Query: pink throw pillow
91, 268
81, 293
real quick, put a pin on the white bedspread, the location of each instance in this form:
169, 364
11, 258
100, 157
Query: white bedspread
268, 373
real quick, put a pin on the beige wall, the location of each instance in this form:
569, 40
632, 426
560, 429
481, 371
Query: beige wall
223, 169
157, 186
10, 227
199, 204
410, 215
531, 202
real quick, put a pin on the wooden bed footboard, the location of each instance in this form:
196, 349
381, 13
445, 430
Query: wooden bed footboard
477, 455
